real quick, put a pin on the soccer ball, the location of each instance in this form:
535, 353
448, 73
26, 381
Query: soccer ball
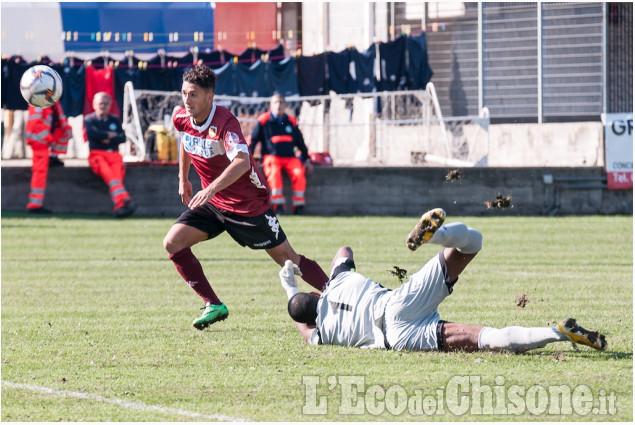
41, 86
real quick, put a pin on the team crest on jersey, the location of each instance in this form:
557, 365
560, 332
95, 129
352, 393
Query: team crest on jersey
112, 126
288, 129
213, 132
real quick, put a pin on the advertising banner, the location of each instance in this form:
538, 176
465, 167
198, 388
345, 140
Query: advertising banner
143, 27
618, 150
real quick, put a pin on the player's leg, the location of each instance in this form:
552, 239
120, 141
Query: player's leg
343, 260
264, 232
516, 339
456, 262
458, 337
428, 287
462, 243
312, 273
411, 312
178, 242
181, 236
273, 172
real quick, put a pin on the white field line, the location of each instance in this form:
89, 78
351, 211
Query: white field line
123, 403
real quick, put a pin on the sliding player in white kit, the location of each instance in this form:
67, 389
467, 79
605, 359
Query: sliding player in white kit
354, 311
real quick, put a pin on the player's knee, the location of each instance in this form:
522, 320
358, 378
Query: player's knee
170, 245
344, 251
167, 242
473, 242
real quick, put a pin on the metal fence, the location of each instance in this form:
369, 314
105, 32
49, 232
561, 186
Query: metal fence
619, 84
528, 61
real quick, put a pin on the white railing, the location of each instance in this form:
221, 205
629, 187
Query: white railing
386, 128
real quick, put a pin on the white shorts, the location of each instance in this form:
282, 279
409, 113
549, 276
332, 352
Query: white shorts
411, 317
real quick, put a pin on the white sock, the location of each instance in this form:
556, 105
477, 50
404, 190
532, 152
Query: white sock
517, 339
457, 235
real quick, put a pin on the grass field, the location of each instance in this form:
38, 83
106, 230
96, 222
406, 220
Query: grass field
96, 326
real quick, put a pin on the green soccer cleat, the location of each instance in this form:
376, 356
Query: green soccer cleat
577, 334
425, 228
212, 313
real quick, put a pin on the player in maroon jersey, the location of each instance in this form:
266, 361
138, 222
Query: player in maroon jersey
234, 196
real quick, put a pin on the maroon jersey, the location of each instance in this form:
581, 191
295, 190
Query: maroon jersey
212, 146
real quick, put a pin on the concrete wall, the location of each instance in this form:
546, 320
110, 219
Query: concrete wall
509, 145
577, 144
339, 191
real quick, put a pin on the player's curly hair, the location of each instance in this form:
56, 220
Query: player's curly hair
302, 308
202, 76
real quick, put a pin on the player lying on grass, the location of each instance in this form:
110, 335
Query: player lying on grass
355, 311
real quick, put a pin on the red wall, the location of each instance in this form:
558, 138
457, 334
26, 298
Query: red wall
238, 25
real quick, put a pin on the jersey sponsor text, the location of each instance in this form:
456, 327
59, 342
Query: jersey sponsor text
206, 148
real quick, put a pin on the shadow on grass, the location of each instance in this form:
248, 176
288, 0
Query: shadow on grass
585, 353
74, 216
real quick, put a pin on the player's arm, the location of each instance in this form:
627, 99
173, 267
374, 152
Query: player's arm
185, 186
306, 331
239, 166
290, 286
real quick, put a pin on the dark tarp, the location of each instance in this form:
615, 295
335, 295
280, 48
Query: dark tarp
393, 65
312, 75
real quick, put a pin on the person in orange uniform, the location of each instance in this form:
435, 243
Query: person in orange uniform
279, 137
47, 133
104, 134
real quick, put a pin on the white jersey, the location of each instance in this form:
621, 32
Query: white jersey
351, 312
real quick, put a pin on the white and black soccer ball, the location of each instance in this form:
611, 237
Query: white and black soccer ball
41, 86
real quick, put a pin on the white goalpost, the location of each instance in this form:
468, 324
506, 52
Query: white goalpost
403, 128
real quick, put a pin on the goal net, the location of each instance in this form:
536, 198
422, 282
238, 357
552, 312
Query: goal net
403, 128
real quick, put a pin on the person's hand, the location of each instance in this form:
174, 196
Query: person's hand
308, 167
185, 192
287, 278
201, 198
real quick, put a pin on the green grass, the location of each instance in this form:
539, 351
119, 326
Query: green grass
92, 306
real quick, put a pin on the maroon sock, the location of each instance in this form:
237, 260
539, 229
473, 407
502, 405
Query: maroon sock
191, 270
312, 273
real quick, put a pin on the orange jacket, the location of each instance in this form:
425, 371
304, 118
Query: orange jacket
49, 127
